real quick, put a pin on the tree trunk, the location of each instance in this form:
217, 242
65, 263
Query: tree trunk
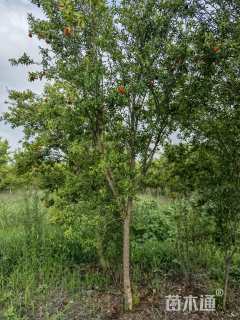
228, 262
128, 301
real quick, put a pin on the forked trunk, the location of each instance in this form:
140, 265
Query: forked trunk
128, 300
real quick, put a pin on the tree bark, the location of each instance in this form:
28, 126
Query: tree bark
228, 262
128, 300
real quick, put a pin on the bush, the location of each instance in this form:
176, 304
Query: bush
152, 234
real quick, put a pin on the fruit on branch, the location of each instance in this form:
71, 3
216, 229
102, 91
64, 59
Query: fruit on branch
68, 31
216, 49
121, 89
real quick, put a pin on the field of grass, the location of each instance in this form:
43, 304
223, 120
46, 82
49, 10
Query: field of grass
41, 279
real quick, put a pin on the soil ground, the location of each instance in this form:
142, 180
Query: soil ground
97, 305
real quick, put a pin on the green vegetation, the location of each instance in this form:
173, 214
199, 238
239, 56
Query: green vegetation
115, 204
40, 263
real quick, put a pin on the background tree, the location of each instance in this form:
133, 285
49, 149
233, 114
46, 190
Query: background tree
7, 180
213, 127
220, 129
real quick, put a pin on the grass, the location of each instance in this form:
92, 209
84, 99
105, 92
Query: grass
39, 279
31, 269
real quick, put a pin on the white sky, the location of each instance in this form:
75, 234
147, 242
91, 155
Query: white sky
14, 41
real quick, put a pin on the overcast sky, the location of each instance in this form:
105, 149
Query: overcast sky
14, 41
